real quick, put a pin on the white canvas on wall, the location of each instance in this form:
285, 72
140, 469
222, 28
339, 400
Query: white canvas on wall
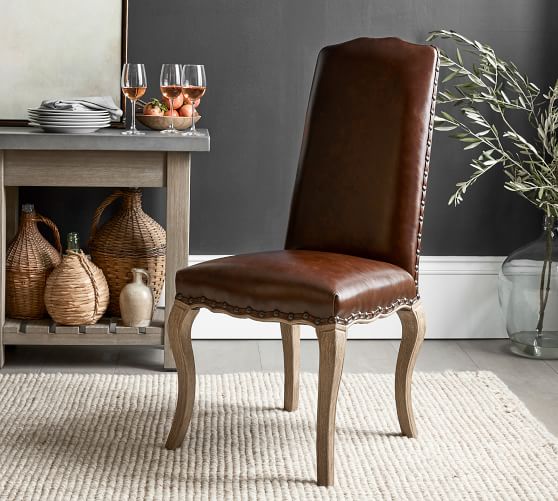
58, 49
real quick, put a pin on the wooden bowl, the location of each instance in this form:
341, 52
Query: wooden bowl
161, 123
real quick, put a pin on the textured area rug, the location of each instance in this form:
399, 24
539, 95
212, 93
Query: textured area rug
81, 437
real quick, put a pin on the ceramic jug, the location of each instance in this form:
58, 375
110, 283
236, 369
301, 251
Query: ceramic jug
136, 300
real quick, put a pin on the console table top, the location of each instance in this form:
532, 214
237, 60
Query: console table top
30, 138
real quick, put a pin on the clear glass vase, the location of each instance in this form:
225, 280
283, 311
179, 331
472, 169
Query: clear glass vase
528, 293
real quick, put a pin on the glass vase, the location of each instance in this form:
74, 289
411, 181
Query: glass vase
528, 293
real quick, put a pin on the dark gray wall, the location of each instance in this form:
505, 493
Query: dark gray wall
259, 58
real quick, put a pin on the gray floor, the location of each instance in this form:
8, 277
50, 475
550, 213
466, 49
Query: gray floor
533, 381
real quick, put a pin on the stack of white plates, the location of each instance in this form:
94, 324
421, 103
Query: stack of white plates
68, 121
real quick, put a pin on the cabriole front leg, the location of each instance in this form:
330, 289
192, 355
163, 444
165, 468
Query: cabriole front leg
413, 325
180, 337
331, 340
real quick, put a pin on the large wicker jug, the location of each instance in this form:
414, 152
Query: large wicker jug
76, 291
131, 239
29, 261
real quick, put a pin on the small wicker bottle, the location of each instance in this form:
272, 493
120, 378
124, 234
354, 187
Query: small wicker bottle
76, 291
29, 261
131, 239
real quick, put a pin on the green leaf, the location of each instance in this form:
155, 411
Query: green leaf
446, 94
447, 116
459, 135
495, 108
451, 76
445, 128
459, 58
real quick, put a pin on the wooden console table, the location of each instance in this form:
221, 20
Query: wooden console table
29, 157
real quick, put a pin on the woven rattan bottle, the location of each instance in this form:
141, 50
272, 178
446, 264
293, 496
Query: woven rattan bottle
29, 261
76, 291
131, 239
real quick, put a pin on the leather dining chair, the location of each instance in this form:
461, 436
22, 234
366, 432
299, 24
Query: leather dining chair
354, 234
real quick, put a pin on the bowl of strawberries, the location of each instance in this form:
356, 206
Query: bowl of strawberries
156, 114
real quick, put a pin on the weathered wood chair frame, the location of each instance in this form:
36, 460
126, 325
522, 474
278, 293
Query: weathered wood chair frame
332, 339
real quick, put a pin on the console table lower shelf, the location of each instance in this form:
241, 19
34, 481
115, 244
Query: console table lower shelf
107, 331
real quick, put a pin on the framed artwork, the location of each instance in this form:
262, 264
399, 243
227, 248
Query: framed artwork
60, 49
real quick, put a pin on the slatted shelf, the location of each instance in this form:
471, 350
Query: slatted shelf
108, 331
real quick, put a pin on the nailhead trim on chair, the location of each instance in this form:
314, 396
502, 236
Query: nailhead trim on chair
223, 307
426, 163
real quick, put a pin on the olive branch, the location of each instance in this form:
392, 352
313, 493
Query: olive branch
492, 84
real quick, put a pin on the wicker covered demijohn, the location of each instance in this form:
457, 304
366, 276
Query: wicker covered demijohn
131, 239
29, 261
76, 291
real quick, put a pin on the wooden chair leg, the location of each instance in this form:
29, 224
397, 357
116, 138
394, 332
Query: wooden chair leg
331, 340
180, 335
290, 335
413, 324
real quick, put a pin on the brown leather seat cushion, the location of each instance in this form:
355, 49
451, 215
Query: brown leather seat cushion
299, 283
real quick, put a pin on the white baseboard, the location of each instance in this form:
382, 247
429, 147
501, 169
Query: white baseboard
459, 294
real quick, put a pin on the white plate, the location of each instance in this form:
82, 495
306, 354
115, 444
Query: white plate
43, 111
68, 112
69, 117
51, 117
69, 122
73, 126
85, 129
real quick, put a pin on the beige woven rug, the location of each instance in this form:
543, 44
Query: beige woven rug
80, 437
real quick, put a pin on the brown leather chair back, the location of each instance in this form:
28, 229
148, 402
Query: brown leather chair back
363, 166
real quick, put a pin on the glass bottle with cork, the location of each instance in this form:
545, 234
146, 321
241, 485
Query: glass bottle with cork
73, 242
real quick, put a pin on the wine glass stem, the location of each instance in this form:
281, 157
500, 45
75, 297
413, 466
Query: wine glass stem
171, 99
193, 128
133, 101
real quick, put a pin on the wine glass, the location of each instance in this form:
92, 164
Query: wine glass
193, 88
134, 85
171, 88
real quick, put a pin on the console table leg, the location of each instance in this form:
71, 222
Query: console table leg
178, 222
2, 257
